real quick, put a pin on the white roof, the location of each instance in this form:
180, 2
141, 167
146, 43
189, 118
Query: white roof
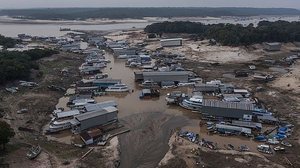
110, 109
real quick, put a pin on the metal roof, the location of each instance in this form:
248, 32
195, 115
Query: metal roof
86, 116
67, 113
246, 124
234, 128
98, 106
267, 117
230, 105
157, 73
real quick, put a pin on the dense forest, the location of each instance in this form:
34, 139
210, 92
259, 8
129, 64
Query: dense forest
233, 35
120, 13
17, 65
7, 42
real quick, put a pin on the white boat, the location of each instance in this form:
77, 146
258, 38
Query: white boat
193, 103
117, 88
57, 126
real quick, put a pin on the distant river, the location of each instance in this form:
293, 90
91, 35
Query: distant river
52, 29
13, 29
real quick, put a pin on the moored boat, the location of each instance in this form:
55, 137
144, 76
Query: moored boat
264, 149
117, 88
193, 103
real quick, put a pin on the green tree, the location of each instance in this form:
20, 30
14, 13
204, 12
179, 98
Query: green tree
6, 132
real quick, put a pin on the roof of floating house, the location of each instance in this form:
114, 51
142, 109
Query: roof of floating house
93, 114
155, 73
97, 106
230, 105
234, 128
246, 124
64, 114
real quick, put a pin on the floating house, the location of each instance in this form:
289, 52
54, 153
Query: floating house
156, 76
233, 110
222, 128
95, 118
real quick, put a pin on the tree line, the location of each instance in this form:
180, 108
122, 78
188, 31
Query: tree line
7, 42
120, 13
233, 34
16, 65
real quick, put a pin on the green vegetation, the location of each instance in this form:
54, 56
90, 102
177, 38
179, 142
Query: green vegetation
7, 42
233, 35
120, 13
17, 65
6, 132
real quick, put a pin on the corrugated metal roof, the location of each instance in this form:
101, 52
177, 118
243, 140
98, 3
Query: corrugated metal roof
234, 128
67, 113
247, 124
157, 73
86, 116
98, 106
107, 81
231, 105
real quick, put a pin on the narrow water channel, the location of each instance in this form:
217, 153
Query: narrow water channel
150, 121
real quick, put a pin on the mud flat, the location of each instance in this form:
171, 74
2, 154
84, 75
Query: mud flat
147, 143
290, 81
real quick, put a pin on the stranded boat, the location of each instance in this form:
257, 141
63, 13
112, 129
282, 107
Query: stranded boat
264, 149
57, 126
279, 149
287, 144
33, 152
193, 103
117, 88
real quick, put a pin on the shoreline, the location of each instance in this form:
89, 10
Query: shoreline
10, 20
